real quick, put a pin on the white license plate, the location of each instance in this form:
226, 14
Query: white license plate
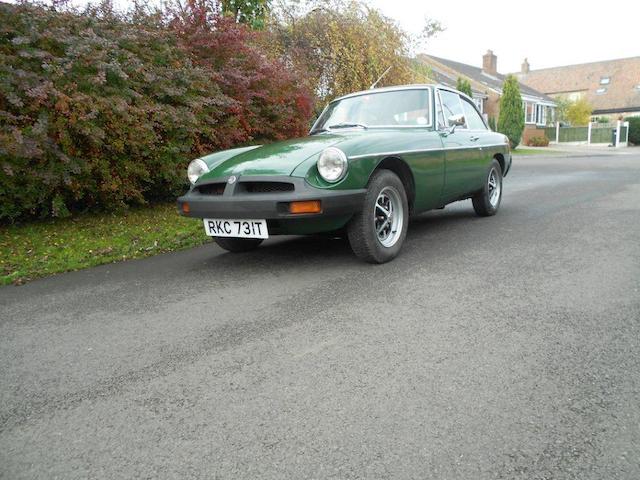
236, 228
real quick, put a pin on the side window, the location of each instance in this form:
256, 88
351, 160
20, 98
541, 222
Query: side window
471, 116
450, 104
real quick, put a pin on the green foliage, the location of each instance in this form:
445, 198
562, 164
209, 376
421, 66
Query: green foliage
344, 46
102, 112
562, 106
58, 245
511, 119
539, 141
492, 124
251, 12
579, 112
463, 85
574, 112
634, 129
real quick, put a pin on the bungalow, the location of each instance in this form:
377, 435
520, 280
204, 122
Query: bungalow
486, 85
612, 87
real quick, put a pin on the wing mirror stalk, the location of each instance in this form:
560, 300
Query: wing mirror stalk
453, 121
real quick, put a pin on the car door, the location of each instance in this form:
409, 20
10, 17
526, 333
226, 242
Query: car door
478, 132
462, 153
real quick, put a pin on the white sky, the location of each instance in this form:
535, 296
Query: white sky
548, 32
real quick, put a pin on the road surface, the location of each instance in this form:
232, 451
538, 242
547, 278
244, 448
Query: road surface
492, 348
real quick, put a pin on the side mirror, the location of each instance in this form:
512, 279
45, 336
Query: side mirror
455, 121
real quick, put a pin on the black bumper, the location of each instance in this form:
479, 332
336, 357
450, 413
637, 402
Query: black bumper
236, 202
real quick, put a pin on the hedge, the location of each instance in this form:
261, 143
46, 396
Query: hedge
634, 129
100, 112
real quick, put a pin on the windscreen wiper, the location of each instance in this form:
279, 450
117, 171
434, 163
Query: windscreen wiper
348, 125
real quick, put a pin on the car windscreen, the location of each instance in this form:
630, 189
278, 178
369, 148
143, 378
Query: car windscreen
399, 108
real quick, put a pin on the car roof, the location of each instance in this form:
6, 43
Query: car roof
413, 86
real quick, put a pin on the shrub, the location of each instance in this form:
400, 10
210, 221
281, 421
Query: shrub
463, 85
511, 118
100, 112
634, 129
538, 141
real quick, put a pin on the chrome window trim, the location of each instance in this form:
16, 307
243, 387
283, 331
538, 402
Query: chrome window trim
422, 150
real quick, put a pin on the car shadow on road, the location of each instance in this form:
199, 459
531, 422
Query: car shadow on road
325, 250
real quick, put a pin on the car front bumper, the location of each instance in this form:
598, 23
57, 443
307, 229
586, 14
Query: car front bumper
240, 200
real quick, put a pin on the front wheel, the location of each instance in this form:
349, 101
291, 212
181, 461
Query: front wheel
377, 232
487, 201
237, 245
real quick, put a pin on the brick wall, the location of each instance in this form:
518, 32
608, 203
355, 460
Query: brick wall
531, 131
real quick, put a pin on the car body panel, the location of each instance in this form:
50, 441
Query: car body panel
419, 148
279, 158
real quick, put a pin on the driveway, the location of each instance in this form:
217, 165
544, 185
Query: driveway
505, 347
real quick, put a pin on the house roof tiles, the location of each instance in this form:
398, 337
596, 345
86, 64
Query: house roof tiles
621, 93
444, 69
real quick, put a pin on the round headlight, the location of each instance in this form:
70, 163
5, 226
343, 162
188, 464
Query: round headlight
332, 164
196, 169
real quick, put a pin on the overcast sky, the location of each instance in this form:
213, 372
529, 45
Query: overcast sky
549, 32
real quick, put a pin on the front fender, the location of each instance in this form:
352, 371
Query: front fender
357, 176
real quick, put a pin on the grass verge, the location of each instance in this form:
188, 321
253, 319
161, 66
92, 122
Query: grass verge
43, 248
534, 151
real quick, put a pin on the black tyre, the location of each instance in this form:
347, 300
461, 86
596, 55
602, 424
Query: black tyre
487, 201
237, 245
377, 232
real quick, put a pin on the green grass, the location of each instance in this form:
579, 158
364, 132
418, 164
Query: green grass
46, 247
531, 151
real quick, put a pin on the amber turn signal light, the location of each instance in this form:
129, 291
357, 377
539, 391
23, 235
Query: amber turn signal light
186, 208
310, 206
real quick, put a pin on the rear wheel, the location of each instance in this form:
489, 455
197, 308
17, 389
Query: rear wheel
377, 232
238, 245
487, 201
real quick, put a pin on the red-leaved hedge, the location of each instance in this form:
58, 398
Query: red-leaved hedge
101, 112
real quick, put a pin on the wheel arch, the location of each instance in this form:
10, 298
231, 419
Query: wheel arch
403, 171
500, 158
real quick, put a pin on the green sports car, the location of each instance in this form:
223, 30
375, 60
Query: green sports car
371, 160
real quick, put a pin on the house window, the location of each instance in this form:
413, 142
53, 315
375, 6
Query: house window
605, 80
541, 115
529, 112
601, 91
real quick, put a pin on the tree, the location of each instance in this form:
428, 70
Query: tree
511, 119
579, 112
341, 46
463, 85
251, 12
562, 106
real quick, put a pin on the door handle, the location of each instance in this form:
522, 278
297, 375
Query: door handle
474, 138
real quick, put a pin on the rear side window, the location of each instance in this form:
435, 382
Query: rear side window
472, 117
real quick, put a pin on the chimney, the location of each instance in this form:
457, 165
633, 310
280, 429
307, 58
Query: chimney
525, 67
490, 63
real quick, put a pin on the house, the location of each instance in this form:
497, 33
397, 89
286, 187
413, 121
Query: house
612, 87
486, 85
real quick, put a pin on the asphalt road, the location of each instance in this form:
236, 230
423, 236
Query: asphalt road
505, 347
